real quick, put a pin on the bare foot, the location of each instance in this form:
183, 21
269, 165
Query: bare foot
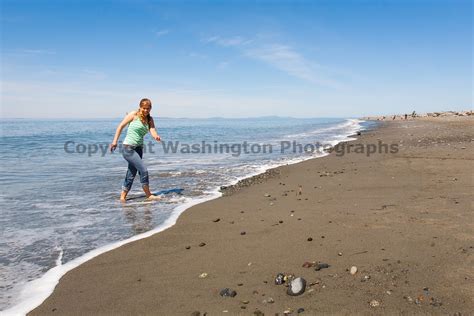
123, 197
153, 198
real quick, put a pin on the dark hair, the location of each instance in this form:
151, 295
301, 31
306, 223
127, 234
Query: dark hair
146, 119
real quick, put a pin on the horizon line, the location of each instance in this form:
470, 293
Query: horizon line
170, 117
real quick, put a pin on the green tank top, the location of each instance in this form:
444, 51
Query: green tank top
135, 132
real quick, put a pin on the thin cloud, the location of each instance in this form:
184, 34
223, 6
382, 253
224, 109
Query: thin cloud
161, 33
228, 42
197, 55
282, 57
34, 52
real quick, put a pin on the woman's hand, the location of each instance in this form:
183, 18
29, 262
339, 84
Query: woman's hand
158, 138
113, 146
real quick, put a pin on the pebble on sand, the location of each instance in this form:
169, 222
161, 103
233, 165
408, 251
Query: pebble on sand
308, 264
296, 287
321, 265
374, 303
227, 292
353, 270
279, 279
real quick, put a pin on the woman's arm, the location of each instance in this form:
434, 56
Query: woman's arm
153, 132
127, 119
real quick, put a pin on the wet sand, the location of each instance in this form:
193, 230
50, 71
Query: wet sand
404, 219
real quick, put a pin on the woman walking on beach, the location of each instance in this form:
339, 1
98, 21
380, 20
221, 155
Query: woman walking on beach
139, 123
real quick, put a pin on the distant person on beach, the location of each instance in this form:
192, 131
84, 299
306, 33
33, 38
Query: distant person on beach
139, 124
406, 115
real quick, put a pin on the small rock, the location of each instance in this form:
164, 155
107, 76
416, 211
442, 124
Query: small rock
374, 303
308, 264
202, 244
242, 233
321, 265
389, 293
245, 302
267, 195
240, 284
227, 293
188, 247
300, 310
353, 270
280, 279
296, 287
310, 239
216, 220
435, 302
315, 282
270, 300
203, 275
281, 222
339, 254
196, 313
258, 313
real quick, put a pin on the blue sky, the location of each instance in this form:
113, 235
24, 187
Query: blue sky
97, 59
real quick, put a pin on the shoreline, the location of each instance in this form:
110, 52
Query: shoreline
48, 282
172, 240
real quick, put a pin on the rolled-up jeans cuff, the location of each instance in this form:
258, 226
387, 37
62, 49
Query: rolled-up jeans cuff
125, 189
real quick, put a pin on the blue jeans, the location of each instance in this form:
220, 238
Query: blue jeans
134, 154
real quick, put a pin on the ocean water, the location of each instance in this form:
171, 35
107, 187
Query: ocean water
59, 197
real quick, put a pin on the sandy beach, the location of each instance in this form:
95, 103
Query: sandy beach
403, 218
